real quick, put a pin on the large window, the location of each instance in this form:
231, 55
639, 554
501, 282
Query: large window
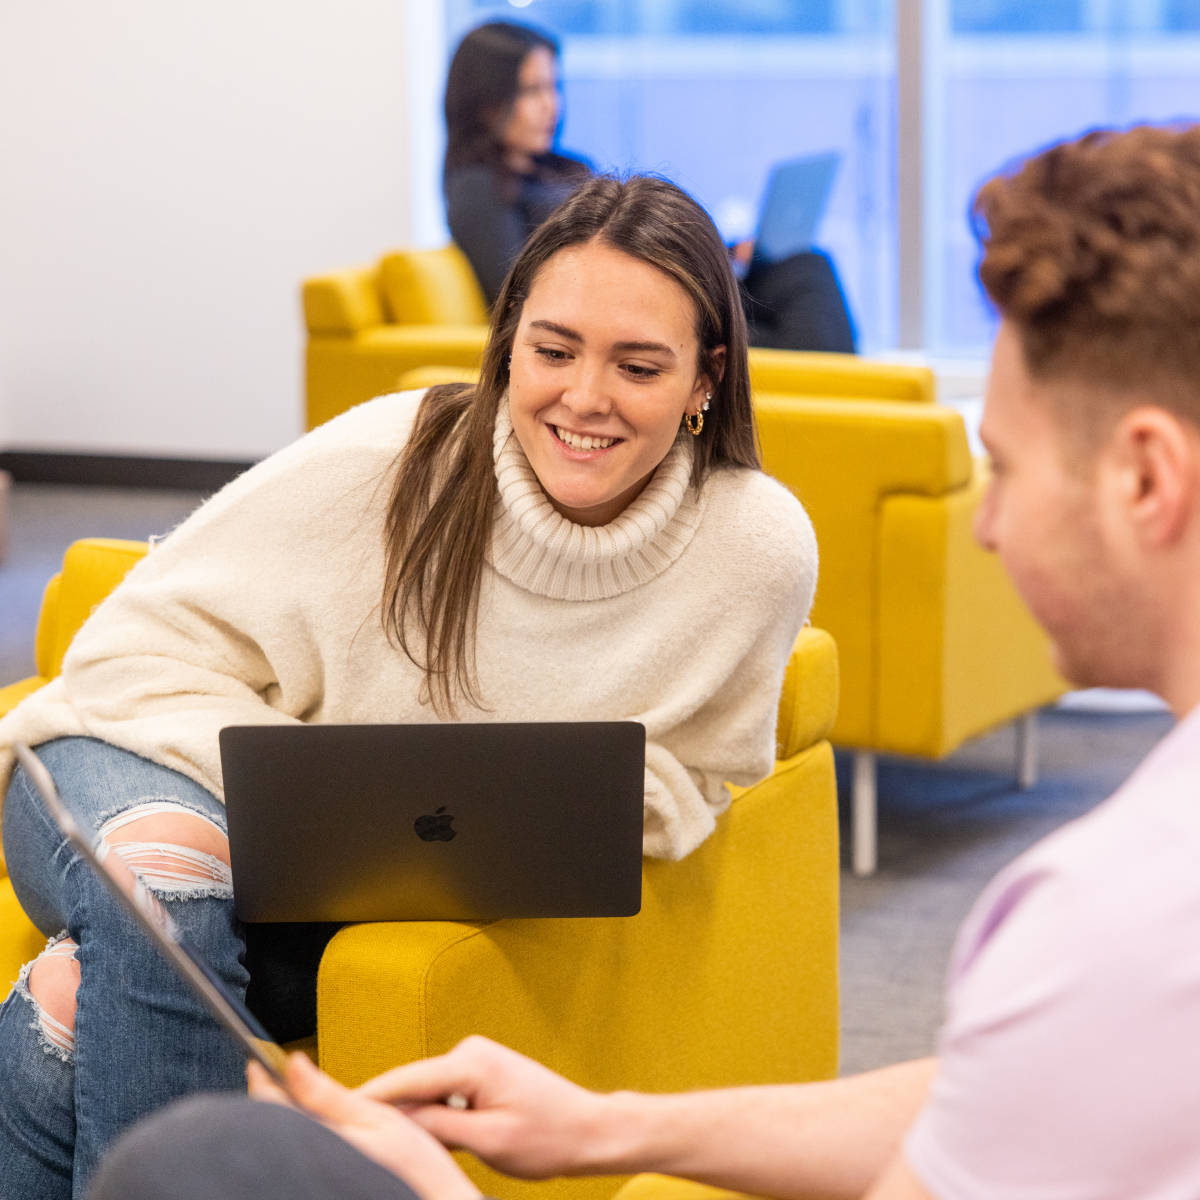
712, 93
1016, 75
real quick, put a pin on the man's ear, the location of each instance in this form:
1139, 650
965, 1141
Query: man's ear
1156, 460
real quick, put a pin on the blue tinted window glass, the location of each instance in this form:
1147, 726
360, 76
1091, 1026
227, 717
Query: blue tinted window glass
1182, 16
1016, 16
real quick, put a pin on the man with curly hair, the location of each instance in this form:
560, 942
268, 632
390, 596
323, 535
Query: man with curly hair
1066, 1067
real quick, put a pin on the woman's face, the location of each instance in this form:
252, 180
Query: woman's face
534, 116
604, 366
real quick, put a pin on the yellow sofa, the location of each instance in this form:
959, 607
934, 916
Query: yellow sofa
727, 976
368, 326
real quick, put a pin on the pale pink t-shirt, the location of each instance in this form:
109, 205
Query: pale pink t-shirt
1070, 1058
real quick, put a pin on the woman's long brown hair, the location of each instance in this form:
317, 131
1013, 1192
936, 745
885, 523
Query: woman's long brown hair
439, 521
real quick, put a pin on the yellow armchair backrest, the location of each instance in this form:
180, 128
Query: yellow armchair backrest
841, 460
91, 569
432, 287
844, 376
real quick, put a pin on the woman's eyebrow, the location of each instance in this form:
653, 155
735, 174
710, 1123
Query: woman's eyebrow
555, 327
566, 332
657, 347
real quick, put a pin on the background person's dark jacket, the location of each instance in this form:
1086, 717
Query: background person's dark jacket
491, 212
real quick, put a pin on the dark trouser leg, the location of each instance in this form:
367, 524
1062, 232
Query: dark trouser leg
797, 304
239, 1149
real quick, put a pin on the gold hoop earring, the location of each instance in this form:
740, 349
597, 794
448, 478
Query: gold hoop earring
698, 417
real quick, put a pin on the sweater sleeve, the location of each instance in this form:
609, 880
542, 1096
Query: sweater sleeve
742, 643
222, 623
488, 231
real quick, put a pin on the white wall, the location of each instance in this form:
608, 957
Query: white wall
170, 172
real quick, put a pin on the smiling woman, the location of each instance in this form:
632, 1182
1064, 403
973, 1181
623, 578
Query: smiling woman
584, 536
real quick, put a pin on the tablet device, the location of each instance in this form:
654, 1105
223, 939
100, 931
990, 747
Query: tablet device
450, 821
796, 198
154, 920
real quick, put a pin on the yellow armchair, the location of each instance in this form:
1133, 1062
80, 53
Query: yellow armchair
91, 569
727, 976
934, 643
369, 325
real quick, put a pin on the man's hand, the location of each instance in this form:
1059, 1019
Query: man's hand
523, 1119
377, 1130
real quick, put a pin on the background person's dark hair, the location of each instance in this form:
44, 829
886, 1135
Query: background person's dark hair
439, 522
1092, 251
481, 89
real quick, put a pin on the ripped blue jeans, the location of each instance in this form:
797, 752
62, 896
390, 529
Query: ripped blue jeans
140, 1039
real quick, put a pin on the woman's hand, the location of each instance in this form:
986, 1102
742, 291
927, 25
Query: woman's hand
376, 1130
522, 1118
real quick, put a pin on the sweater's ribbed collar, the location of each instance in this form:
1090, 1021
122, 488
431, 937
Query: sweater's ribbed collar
543, 552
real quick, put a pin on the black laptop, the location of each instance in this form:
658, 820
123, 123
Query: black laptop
462, 822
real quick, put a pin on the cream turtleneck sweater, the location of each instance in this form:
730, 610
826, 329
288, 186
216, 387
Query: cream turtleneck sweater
264, 607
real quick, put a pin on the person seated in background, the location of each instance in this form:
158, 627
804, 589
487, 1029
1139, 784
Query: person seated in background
585, 535
502, 178
1064, 1067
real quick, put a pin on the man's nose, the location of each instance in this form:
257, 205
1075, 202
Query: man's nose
985, 519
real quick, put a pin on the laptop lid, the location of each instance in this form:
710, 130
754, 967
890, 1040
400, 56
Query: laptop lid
796, 198
461, 822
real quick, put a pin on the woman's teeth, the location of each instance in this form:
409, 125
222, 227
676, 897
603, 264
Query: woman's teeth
583, 443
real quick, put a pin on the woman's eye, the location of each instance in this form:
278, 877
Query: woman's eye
639, 372
551, 355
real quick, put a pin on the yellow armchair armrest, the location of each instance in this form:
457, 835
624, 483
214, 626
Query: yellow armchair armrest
809, 700
14, 693
45, 643
92, 567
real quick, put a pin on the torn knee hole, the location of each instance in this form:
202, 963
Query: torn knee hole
50, 982
177, 852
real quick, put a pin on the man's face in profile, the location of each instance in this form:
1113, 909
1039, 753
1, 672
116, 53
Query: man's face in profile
1043, 514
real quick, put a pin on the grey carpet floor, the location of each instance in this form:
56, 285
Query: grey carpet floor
945, 828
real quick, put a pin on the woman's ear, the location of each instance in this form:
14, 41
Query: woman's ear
714, 372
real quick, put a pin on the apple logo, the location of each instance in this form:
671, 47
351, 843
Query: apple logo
434, 827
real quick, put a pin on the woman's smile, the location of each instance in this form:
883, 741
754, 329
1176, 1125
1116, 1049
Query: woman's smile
582, 446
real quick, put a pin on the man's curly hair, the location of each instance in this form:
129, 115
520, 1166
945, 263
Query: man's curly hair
1092, 251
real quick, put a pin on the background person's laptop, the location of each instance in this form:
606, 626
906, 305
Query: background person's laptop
796, 198
435, 822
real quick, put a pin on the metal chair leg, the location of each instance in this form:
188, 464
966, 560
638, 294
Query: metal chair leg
1027, 751
863, 815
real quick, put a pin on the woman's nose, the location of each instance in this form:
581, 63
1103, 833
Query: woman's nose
587, 391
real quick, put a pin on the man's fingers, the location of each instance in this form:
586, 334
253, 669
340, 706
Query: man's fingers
451, 1126
428, 1081
262, 1087
318, 1094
